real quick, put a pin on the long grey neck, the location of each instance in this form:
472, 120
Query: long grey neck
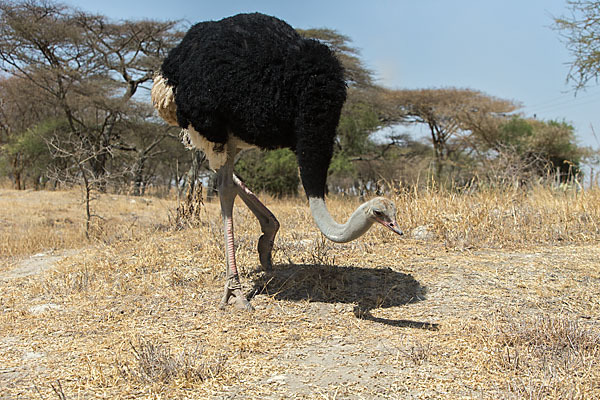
357, 224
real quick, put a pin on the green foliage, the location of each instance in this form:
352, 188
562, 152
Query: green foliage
26, 155
557, 142
516, 132
357, 122
274, 172
340, 164
553, 142
342, 172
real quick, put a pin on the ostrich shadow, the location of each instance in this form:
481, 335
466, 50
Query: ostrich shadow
366, 288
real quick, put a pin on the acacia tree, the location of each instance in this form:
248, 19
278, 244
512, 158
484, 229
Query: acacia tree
448, 112
86, 65
581, 33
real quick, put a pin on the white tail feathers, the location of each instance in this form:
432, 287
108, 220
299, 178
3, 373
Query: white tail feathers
163, 100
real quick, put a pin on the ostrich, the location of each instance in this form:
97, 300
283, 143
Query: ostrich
252, 81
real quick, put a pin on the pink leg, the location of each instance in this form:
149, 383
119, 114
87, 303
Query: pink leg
268, 223
227, 194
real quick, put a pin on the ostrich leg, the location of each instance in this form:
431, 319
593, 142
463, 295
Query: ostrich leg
268, 223
227, 193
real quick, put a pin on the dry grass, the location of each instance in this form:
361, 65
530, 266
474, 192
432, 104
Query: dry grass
547, 356
31, 223
155, 363
504, 218
498, 300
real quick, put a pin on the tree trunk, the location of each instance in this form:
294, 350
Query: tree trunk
438, 150
138, 177
17, 173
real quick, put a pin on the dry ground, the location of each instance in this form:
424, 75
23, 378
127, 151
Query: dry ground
490, 295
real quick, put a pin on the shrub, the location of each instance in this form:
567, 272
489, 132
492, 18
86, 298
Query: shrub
274, 172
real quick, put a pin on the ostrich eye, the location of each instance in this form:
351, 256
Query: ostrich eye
378, 213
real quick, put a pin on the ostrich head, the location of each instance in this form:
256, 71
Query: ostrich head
383, 211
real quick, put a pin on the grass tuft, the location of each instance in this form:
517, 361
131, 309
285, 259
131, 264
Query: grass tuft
546, 356
156, 363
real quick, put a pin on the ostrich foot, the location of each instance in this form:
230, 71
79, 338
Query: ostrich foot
233, 294
265, 246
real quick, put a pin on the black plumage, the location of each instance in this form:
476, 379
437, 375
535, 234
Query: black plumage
254, 76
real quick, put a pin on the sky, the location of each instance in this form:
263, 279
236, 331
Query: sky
505, 49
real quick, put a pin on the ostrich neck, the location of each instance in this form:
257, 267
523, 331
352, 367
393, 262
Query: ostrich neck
357, 224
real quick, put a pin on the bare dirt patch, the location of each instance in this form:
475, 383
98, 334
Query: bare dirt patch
35, 264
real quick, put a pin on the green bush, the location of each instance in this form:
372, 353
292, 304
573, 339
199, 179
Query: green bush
25, 156
552, 141
274, 172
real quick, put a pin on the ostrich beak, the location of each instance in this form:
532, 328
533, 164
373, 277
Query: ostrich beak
392, 225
